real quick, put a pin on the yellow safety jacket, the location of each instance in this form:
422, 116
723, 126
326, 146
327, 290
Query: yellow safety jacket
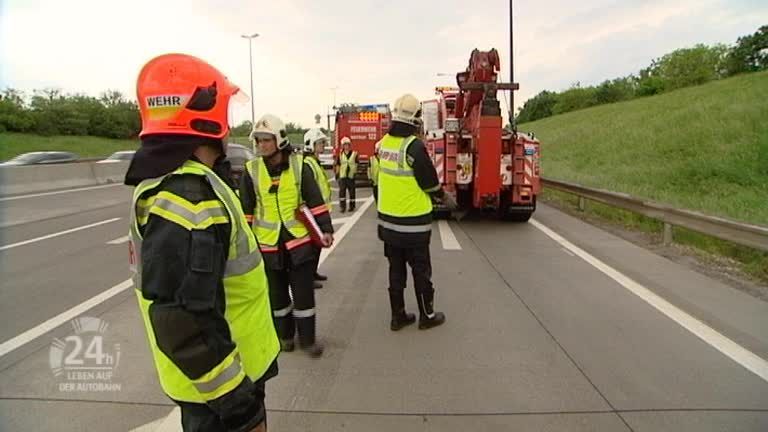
321, 178
373, 169
247, 312
347, 165
399, 193
276, 203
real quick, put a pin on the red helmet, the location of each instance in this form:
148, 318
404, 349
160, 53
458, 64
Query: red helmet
181, 94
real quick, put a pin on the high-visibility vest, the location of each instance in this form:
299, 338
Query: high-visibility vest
277, 209
321, 178
247, 312
399, 193
348, 165
373, 169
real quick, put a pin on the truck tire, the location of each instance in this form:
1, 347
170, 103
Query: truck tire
518, 217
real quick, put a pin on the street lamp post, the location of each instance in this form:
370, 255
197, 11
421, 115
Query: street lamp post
512, 65
250, 38
333, 89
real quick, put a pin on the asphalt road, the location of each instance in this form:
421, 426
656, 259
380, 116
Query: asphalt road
547, 330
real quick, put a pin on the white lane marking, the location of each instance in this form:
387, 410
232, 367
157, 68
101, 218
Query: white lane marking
447, 237
340, 220
118, 241
715, 339
171, 423
35, 195
60, 233
342, 232
62, 318
568, 252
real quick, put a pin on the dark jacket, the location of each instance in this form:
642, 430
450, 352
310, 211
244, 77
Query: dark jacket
312, 196
188, 310
426, 176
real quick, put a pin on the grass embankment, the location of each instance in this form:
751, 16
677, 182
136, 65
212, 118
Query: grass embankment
702, 148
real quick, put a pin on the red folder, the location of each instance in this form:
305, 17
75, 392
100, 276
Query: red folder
305, 216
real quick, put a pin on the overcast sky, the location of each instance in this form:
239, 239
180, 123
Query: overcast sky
372, 51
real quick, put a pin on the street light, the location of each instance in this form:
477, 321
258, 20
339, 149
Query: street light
333, 89
250, 64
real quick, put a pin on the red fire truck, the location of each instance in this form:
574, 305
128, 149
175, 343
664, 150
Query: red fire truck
485, 166
365, 125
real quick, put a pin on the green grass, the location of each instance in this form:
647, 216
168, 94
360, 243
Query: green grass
11, 144
750, 261
702, 148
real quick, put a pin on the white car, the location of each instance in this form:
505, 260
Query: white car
121, 156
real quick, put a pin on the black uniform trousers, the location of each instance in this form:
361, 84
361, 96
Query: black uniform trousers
346, 185
418, 258
298, 313
316, 259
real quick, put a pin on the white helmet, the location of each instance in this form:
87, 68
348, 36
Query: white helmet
270, 124
346, 140
311, 138
407, 110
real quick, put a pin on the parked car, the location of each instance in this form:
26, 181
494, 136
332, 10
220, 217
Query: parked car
42, 157
238, 155
120, 156
326, 157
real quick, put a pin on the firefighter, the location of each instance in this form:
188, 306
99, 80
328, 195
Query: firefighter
276, 183
314, 143
407, 182
373, 171
346, 168
197, 271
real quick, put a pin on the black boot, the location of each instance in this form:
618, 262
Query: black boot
317, 285
287, 345
307, 340
315, 350
428, 318
321, 278
400, 318
285, 327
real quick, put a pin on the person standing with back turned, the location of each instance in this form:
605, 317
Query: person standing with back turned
407, 181
197, 271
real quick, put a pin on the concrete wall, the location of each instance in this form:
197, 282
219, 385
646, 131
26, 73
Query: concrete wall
37, 178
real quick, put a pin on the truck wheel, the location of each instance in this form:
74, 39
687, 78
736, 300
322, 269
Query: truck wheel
518, 217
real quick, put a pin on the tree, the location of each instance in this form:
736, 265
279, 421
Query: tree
537, 107
294, 128
243, 129
575, 98
692, 66
750, 53
14, 116
617, 90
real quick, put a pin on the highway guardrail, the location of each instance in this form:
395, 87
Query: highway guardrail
754, 236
